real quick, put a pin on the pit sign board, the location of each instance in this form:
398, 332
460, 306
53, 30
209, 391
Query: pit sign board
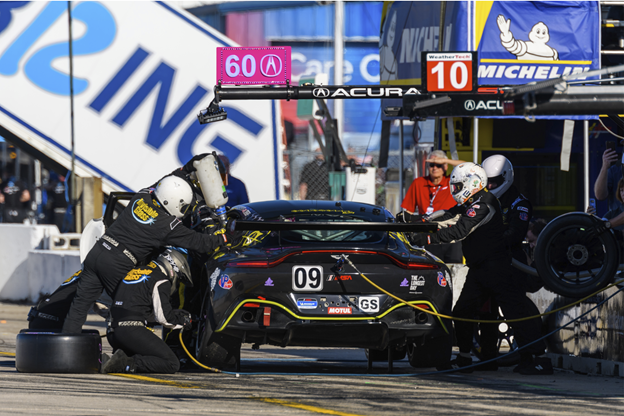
449, 71
254, 65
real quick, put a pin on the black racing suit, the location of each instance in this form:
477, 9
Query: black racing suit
51, 310
517, 212
141, 228
480, 228
143, 296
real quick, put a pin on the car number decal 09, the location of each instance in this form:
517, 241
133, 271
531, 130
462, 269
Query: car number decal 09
308, 278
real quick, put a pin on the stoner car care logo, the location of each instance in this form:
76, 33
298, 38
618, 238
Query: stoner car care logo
137, 276
143, 213
72, 278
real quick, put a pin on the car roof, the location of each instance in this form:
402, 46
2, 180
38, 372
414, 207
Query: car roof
273, 209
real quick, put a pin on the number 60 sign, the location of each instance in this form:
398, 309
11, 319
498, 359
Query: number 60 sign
449, 71
253, 65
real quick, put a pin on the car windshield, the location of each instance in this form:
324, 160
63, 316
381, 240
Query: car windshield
319, 236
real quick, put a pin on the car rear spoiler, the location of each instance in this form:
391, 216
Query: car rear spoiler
240, 225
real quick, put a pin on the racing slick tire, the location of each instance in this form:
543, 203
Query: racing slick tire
54, 352
436, 352
214, 349
571, 261
382, 355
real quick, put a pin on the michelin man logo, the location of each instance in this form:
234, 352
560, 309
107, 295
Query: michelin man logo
535, 48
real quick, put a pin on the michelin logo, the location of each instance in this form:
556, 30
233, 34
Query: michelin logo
535, 48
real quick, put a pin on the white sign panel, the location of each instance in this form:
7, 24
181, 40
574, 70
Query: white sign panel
142, 73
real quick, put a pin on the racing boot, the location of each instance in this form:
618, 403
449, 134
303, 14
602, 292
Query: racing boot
118, 363
530, 365
462, 361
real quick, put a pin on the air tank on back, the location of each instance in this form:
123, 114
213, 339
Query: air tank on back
212, 182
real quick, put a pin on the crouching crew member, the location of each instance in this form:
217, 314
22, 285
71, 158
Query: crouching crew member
480, 228
50, 311
143, 295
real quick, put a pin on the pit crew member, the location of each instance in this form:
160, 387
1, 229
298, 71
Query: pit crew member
480, 228
145, 293
152, 220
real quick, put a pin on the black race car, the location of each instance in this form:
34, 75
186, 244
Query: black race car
288, 279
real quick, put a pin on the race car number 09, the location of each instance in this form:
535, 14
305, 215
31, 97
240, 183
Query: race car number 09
308, 278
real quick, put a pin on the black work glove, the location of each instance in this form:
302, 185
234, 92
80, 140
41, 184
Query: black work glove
184, 318
406, 218
419, 239
600, 227
188, 167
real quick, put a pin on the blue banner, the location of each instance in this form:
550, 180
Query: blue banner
409, 28
521, 41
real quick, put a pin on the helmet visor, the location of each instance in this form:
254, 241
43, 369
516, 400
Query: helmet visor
456, 187
495, 182
184, 207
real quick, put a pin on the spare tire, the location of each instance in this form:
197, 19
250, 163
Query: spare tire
55, 352
571, 261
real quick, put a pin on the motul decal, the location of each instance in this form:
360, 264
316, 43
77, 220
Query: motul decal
339, 311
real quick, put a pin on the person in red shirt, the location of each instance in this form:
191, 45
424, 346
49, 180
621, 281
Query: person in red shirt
432, 193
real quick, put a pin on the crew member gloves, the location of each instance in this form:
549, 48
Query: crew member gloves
419, 239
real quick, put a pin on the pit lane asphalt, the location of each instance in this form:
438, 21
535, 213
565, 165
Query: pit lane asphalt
294, 391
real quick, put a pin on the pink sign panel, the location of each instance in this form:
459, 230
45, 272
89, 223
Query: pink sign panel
253, 65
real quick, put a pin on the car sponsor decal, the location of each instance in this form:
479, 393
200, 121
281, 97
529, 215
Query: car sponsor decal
404, 283
213, 278
368, 304
339, 311
269, 282
476, 206
225, 282
416, 282
471, 212
524, 216
442, 280
343, 277
307, 303
525, 209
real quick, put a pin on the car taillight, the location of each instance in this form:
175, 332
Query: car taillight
254, 263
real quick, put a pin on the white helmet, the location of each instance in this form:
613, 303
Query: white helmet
466, 180
175, 195
500, 173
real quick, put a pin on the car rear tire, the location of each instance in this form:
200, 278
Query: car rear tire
215, 349
564, 251
382, 355
436, 352
55, 352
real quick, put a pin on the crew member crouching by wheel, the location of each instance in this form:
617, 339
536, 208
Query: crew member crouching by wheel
144, 294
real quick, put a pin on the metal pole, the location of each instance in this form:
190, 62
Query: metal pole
585, 163
475, 140
401, 194
71, 103
339, 62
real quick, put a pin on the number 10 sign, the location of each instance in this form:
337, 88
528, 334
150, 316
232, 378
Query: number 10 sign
449, 71
253, 65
